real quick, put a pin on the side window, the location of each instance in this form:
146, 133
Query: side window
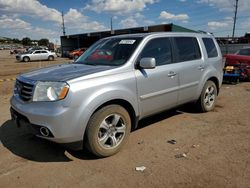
160, 49
37, 52
210, 47
44, 52
187, 49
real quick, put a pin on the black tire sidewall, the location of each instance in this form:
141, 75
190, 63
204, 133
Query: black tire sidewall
93, 129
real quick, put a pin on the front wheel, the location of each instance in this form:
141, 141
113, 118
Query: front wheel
26, 59
108, 130
208, 96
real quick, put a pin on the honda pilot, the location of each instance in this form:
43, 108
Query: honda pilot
119, 80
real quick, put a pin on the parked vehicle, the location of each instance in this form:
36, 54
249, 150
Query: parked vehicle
237, 66
76, 53
16, 51
96, 101
36, 55
37, 48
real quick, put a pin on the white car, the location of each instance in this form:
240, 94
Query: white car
36, 55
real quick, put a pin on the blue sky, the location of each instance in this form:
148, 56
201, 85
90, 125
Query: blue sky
42, 19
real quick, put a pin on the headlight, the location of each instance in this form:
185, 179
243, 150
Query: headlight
50, 91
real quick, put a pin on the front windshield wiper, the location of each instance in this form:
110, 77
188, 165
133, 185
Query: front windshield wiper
84, 63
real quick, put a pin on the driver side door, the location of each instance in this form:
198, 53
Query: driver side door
157, 88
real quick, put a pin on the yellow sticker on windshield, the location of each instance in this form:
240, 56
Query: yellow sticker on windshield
127, 42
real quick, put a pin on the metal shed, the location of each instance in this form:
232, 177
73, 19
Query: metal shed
71, 42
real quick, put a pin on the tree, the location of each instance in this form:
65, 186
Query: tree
17, 41
26, 41
43, 42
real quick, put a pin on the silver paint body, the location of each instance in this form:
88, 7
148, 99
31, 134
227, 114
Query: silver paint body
149, 91
36, 56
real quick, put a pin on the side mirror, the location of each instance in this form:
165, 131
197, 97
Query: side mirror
147, 63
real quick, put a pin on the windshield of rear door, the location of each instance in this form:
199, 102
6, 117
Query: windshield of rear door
110, 52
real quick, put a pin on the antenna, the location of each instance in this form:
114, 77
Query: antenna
63, 26
111, 24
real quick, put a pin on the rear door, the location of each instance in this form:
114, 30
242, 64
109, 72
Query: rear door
44, 55
187, 54
158, 87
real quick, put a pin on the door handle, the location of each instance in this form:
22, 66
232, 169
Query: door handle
201, 68
171, 74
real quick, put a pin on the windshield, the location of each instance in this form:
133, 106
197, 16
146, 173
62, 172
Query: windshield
245, 51
111, 52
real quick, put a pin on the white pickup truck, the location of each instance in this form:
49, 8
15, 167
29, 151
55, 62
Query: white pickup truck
36, 55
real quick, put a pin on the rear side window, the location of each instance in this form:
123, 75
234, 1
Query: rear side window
160, 49
187, 49
210, 47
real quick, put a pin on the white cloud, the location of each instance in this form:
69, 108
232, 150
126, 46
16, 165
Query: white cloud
136, 20
217, 25
121, 7
245, 24
74, 19
34, 9
19, 29
149, 22
10, 23
169, 16
31, 8
128, 23
227, 5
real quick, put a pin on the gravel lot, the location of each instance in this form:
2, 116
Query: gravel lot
216, 144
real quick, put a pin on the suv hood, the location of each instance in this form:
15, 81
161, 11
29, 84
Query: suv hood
64, 72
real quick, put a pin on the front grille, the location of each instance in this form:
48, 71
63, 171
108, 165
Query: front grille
24, 90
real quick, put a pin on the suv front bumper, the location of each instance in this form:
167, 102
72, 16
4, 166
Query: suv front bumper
63, 123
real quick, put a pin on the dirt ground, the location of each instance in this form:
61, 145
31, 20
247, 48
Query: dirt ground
216, 144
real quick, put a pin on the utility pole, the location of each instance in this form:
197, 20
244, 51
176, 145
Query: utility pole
235, 15
111, 24
63, 26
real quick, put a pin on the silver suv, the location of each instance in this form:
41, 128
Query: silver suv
115, 83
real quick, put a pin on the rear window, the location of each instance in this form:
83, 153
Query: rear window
187, 49
210, 47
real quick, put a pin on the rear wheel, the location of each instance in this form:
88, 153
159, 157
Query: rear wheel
26, 59
108, 130
208, 96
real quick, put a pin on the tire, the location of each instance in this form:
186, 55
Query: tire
51, 58
108, 130
26, 59
208, 97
